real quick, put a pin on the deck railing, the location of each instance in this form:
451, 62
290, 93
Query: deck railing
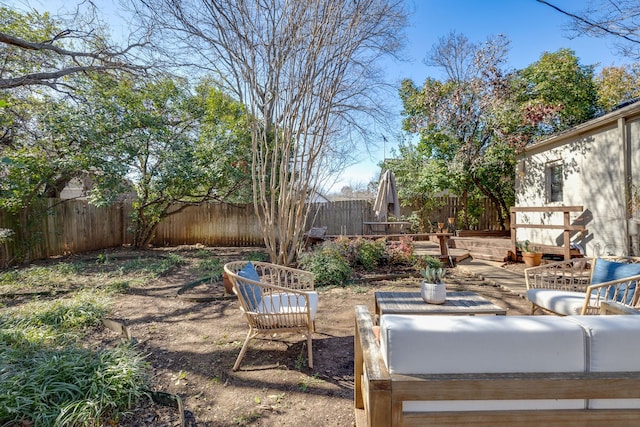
566, 226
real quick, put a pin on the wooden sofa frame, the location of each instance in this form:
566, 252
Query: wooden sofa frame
379, 396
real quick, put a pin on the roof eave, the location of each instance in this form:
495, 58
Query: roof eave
586, 127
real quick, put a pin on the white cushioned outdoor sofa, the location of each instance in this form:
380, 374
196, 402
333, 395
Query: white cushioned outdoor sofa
497, 370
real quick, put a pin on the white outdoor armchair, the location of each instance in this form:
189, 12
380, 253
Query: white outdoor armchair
274, 299
580, 285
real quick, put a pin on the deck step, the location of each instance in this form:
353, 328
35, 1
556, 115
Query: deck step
490, 249
497, 255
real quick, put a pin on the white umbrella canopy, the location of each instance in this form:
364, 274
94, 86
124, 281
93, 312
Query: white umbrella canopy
387, 197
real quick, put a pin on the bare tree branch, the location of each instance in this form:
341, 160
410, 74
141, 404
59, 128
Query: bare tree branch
618, 19
27, 61
47, 79
103, 56
306, 70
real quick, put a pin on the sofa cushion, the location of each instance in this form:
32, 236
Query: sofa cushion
491, 405
614, 342
481, 344
289, 303
558, 301
614, 346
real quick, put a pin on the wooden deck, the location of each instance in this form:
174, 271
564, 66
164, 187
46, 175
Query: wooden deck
431, 248
488, 248
478, 246
499, 249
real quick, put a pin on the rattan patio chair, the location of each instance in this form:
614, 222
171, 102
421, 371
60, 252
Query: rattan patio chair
274, 299
580, 285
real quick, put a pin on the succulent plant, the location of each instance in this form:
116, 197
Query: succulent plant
526, 246
433, 274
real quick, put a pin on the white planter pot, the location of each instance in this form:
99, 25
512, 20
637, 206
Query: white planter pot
433, 293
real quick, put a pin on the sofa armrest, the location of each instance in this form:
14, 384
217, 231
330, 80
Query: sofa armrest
622, 291
571, 275
372, 392
613, 307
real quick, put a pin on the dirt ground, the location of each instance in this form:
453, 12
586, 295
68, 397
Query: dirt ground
193, 336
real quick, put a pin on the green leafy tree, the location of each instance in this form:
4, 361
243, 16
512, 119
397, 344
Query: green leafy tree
458, 122
555, 93
421, 178
617, 84
179, 148
46, 138
173, 147
50, 144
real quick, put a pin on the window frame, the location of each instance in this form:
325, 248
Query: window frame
554, 181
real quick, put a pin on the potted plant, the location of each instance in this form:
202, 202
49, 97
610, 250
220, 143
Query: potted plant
531, 255
433, 289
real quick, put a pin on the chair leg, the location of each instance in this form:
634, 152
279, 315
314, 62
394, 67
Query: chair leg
250, 335
310, 349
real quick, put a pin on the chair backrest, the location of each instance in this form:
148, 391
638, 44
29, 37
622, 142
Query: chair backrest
252, 279
247, 283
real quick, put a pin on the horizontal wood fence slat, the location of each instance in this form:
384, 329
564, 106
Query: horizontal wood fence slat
75, 226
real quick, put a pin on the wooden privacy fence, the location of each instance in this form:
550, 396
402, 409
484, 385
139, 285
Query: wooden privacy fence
75, 226
69, 227
218, 224
451, 205
211, 224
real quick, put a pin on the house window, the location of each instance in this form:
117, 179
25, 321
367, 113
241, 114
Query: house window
555, 182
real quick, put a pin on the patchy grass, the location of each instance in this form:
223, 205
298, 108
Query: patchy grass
107, 272
209, 267
49, 375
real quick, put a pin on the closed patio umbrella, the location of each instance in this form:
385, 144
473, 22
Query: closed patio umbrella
387, 197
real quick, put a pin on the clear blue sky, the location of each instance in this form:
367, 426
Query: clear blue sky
533, 28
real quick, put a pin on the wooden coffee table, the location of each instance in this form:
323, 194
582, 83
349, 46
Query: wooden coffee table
457, 303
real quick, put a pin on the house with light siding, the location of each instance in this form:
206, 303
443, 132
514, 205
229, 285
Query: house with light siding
595, 165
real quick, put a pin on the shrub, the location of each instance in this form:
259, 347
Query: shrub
257, 256
210, 267
71, 386
427, 261
401, 252
328, 265
348, 248
370, 252
152, 266
48, 375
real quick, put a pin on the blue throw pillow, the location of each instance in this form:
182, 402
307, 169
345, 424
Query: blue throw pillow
251, 293
606, 271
